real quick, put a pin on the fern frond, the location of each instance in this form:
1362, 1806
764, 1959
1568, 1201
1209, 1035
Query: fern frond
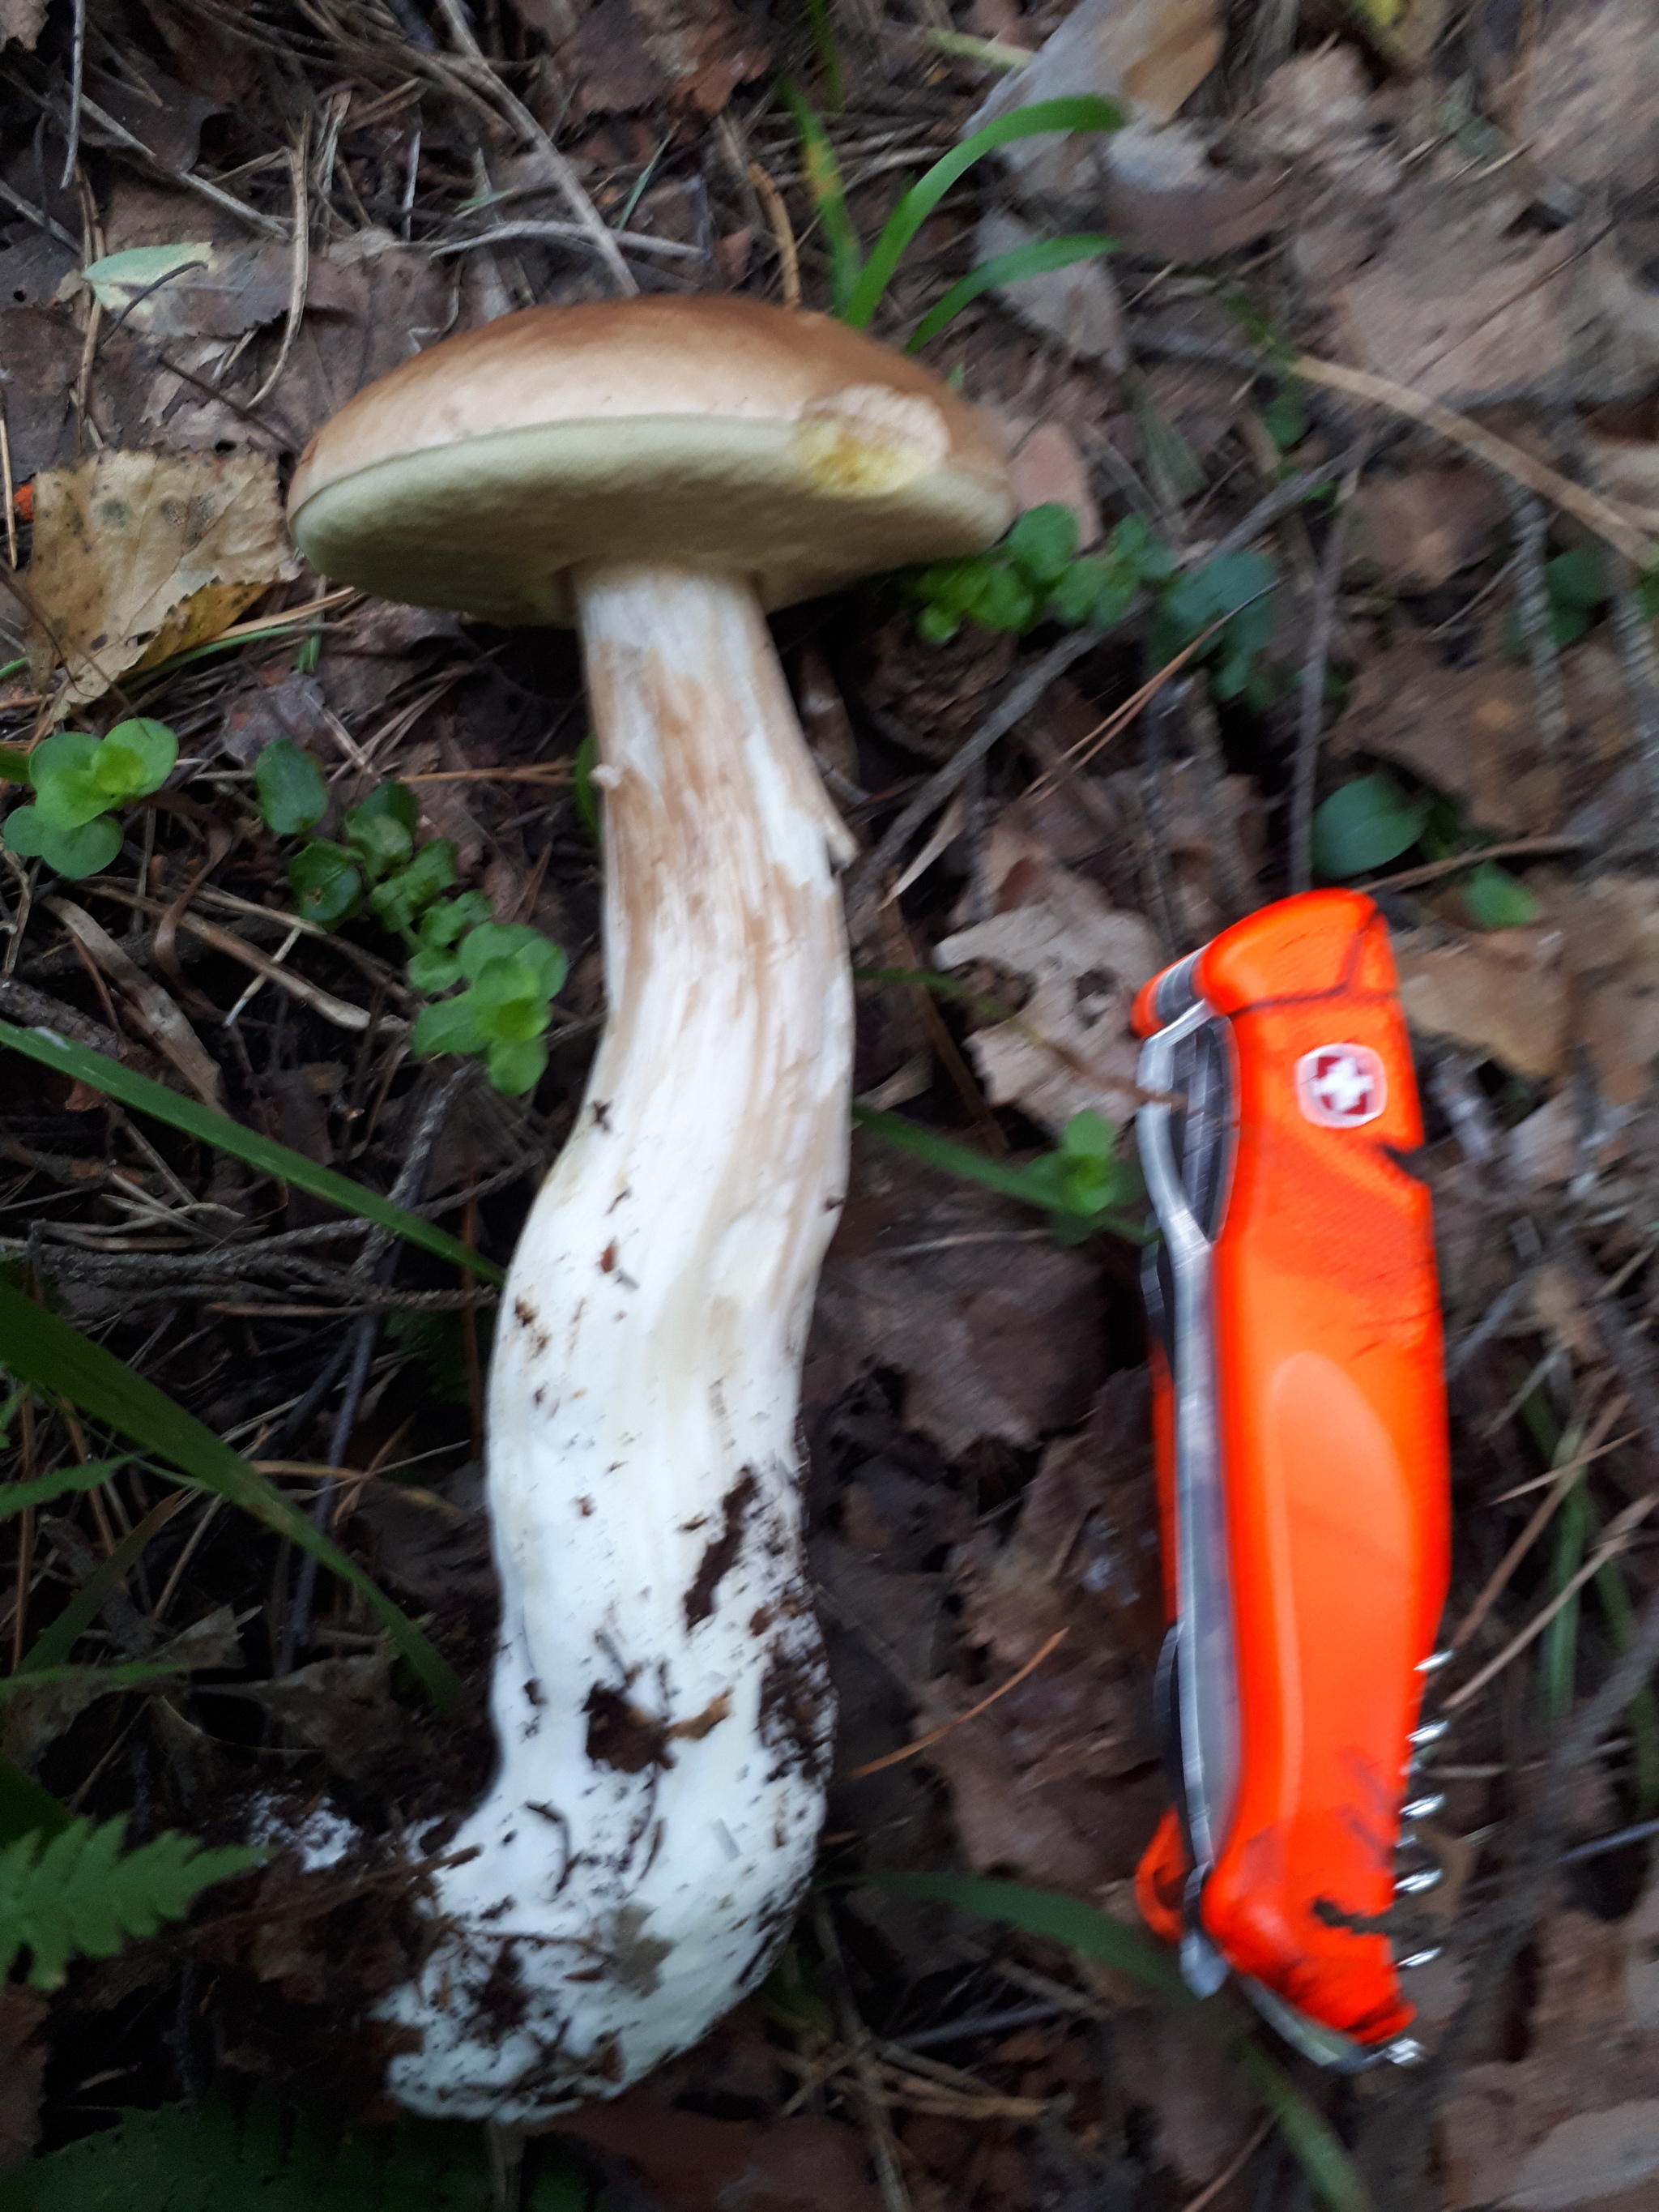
207, 2158
78, 1892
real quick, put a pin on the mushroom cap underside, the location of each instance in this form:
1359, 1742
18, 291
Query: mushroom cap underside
720, 436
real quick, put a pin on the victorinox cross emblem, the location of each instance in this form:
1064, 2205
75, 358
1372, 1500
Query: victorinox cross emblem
1341, 1086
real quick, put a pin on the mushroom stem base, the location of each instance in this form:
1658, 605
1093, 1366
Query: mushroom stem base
661, 1701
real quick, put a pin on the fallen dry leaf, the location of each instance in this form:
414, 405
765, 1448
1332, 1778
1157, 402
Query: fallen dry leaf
631, 54
1589, 112
1077, 305
34, 1718
1621, 447
1192, 221
371, 302
433, 1543
1544, 1148
40, 356
1149, 54
996, 1330
1036, 1779
1195, 2090
1503, 994
1472, 733
341, 1707
1576, 2121
22, 2070
1317, 110
692, 2163
1464, 303
1047, 468
1083, 963
194, 289
22, 21
1064, 1831
1084, 1553
1612, 954
1422, 528
123, 540
1589, 2158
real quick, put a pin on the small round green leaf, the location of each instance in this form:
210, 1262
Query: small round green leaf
447, 919
60, 771
937, 627
493, 941
1285, 419
515, 1068
293, 796
381, 843
70, 749
1364, 825
400, 898
1495, 899
394, 802
433, 973
1004, 601
1577, 577
1073, 597
1042, 542
450, 1025
136, 757
82, 850
325, 883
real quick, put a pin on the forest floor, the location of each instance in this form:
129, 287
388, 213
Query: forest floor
1356, 418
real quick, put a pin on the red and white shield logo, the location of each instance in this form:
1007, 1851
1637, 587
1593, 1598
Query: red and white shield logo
1341, 1086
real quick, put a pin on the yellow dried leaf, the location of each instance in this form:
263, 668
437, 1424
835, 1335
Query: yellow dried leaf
198, 620
124, 540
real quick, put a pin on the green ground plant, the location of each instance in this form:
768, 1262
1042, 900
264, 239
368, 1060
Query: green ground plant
79, 783
511, 974
1371, 820
858, 282
80, 1893
222, 2154
1083, 1185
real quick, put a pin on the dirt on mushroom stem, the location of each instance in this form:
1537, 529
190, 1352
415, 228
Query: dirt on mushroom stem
654, 1818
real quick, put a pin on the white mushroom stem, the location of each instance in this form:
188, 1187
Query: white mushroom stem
661, 1695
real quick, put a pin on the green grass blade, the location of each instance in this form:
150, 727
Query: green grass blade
1084, 113
1613, 1592
1093, 1934
942, 1153
101, 1072
829, 54
1333, 2175
1034, 259
40, 1349
1557, 1660
132, 1675
15, 1496
53, 1645
823, 171
1335, 2180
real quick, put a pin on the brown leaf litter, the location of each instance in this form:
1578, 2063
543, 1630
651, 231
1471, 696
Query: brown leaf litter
1078, 963
1008, 1351
1576, 2121
137, 555
1040, 1780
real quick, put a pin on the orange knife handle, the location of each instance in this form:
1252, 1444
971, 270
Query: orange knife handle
1330, 1428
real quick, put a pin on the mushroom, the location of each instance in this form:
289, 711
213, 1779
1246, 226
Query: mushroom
658, 472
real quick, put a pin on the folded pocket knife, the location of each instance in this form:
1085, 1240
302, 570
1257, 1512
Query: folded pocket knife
1299, 1418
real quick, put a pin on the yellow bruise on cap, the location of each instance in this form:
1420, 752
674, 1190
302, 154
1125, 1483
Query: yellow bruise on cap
864, 441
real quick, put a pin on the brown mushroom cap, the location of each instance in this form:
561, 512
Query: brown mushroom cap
717, 434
